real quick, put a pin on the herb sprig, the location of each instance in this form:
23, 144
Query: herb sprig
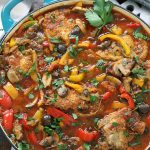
101, 14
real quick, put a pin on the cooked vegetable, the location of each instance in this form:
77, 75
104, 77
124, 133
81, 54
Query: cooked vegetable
127, 50
76, 78
76, 87
11, 90
87, 136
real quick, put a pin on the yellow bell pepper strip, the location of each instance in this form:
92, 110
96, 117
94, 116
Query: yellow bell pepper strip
116, 30
77, 87
84, 44
114, 80
38, 115
118, 39
11, 90
139, 82
74, 71
101, 77
64, 59
12, 42
118, 105
77, 78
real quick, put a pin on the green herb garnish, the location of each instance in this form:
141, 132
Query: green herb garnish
93, 98
100, 64
23, 146
31, 96
87, 146
57, 83
18, 116
74, 116
67, 68
49, 60
48, 130
114, 124
55, 40
62, 147
101, 14
94, 82
137, 34
138, 71
72, 51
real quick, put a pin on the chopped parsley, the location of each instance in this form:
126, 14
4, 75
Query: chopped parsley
67, 68
74, 116
23, 146
114, 124
55, 40
21, 48
137, 34
138, 71
62, 147
96, 120
93, 98
100, 64
57, 83
72, 51
87, 146
18, 116
48, 130
126, 133
19, 87
94, 82
137, 141
49, 60
31, 96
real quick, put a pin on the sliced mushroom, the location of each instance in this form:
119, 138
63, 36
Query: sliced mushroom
12, 76
46, 79
33, 103
81, 24
126, 83
123, 67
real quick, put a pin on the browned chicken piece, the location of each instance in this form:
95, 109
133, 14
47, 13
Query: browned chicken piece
115, 125
126, 83
71, 101
17, 129
141, 49
123, 67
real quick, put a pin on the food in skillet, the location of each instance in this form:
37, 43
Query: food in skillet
77, 78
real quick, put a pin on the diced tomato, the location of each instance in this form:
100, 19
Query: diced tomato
148, 120
32, 137
24, 121
67, 119
8, 117
45, 44
106, 96
5, 100
87, 136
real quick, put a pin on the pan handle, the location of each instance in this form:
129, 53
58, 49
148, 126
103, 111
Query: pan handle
7, 21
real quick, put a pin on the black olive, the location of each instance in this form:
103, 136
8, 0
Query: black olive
144, 108
47, 119
146, 131
62, 91
104, 44
76, 31
61, 48
86, 92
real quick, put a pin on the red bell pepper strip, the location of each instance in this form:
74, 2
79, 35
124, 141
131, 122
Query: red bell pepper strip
129, 99
32, 137
134, 25
106, 96
148, 120
87, 136
5, 100
56, 113
122, 89
8, 117
23, 121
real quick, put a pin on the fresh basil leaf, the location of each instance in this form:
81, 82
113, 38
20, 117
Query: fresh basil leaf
23, 146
